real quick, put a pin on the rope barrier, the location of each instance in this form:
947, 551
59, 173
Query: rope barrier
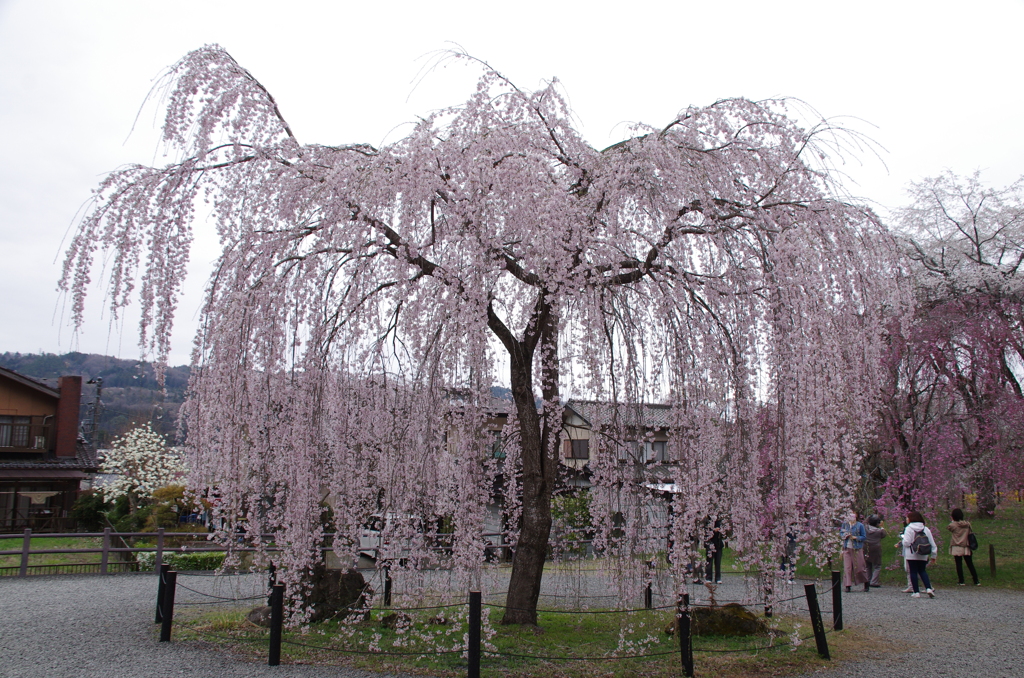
639, 609
554, 658
560, 595
210, 595
474, 651
773, 646
216, 635
425, 607
372, 652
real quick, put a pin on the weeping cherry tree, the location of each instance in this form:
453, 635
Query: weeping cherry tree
366, 299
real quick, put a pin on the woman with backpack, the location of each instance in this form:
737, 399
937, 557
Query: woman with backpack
918, 548
960, 546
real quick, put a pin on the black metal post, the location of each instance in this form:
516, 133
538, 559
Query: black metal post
475, 600
992, 560
685, 634
837, 600
168, 611
161, 576
816, 623
387, 586
648, 597
276, 622
26, 547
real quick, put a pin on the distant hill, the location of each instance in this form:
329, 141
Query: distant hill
130, 395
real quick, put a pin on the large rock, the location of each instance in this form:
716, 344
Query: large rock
729, 620
335, 594
259, 615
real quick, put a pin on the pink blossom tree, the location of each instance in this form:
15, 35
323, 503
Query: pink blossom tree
707, 264
954, 401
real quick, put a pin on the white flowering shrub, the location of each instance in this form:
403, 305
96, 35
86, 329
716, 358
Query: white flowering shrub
142, 463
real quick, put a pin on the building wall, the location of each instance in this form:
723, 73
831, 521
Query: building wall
27, 418
20, 400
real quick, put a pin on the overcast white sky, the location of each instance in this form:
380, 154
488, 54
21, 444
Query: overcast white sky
936, 84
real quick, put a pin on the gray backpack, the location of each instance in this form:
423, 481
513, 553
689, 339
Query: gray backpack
921, 545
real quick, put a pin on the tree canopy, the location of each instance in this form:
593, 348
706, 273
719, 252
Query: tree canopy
954, 399
708, 264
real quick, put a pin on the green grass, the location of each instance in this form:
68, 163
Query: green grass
1004, 532
14, 543
587, 640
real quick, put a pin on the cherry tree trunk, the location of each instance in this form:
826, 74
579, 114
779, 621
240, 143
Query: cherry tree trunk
539, 433
986, 496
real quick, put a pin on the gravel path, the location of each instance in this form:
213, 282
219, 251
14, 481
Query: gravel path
89, 626
964, 631
101, 627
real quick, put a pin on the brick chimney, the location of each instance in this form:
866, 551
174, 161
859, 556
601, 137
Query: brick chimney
67, 416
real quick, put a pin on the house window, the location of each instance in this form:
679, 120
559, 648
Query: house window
580, 449
497, 445
14, 431
656, 451
631, 451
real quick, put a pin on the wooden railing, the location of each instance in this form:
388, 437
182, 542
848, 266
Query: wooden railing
109, 551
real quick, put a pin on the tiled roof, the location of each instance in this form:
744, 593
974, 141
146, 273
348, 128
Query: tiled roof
31, 382
84, 460
633, 415
490, 404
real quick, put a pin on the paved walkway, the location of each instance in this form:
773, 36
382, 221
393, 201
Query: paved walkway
101, 627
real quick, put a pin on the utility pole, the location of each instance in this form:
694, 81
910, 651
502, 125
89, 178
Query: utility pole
96, 406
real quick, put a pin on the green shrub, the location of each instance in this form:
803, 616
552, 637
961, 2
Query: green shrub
182, 561
89, 511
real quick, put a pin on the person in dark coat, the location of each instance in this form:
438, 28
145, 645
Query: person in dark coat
714, 546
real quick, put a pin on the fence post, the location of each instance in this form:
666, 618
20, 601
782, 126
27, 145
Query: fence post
159, 548
105, 558
837, 600
387, 586
649, 591
168, 611
26, 546
816, 623
276, 622
685, 634
474, 635
992, 560
161, 575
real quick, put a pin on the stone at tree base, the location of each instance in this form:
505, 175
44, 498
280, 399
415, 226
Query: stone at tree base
729, 620
260, 616
394, 620
335, 594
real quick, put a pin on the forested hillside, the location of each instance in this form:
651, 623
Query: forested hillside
130, 395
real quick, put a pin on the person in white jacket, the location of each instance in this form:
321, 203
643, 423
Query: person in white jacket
916, 560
